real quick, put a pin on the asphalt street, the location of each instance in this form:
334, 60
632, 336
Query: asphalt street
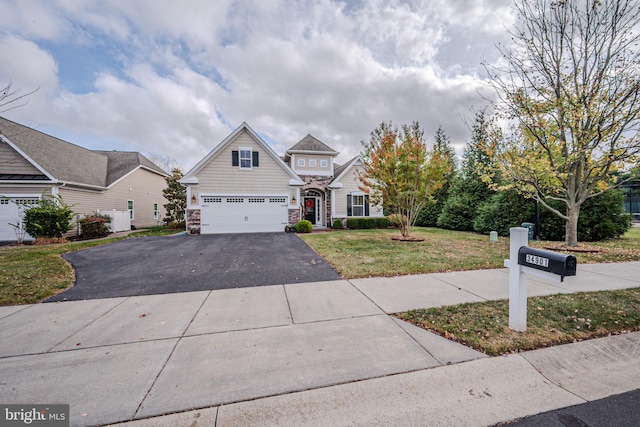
161, 265
614, 411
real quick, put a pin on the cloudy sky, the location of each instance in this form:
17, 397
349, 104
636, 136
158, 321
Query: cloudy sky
173, 78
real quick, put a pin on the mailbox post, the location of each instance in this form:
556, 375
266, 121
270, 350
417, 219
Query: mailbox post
524, 260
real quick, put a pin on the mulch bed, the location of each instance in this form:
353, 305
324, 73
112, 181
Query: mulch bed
407, 239
579, 249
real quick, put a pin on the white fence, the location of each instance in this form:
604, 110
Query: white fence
120, 220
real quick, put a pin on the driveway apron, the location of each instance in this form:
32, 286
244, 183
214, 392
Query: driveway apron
160, 265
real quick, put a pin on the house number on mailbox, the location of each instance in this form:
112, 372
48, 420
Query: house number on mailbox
537, 260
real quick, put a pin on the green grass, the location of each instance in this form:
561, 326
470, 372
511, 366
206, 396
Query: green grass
33, 273
371, 253
551, 320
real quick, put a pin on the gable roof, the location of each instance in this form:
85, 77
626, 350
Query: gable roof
190, 177
342, 170
123, 162
310, 144
62, 161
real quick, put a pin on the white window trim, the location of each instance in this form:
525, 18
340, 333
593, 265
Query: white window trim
354, 205
132, 210
324, 163
300, 162
156, 210
312, 163
240, 158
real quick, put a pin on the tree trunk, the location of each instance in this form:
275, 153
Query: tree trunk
571, 227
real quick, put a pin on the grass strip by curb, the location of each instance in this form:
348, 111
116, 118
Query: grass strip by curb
551, 320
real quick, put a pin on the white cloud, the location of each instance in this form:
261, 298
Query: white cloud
180, 75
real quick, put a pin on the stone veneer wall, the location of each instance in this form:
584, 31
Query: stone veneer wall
317, 182
193, 221
294, 216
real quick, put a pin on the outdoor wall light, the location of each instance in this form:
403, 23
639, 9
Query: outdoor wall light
194, 199
293, 200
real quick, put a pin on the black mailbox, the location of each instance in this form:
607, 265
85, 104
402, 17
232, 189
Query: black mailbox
552, 262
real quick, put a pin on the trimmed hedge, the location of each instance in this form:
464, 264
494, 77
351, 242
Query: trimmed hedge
367, 223
337, 224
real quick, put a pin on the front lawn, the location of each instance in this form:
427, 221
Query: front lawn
484, 326
30, 273
371, 253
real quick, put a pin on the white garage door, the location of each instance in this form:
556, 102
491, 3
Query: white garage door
243, 214
10, 214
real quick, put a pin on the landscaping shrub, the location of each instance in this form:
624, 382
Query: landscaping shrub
304, 226
95, 226
601, 217
502, 211
337, 224
176, 225
51, 217
367, 223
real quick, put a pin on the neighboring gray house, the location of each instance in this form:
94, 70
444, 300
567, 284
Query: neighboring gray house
243, 186
33, 163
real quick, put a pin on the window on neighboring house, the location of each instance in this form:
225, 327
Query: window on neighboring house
300, 162
323, 163
130, 208
357, 204
312, 163
156, 213
245, 158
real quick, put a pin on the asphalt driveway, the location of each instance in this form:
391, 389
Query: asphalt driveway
160, 265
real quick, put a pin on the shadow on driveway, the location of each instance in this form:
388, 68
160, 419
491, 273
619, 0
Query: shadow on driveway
160, 265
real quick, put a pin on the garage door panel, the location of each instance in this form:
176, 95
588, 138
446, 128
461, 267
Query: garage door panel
10, 214
243, 214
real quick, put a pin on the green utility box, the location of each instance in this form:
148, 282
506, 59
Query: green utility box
530, 227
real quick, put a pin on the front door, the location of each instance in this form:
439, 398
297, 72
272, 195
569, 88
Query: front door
310, 208
313, 209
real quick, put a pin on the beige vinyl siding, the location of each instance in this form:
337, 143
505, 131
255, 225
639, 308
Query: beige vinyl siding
13, 162
220, 177
21, 190
81, 201
307, 168
141, 186
350, 184
145, 189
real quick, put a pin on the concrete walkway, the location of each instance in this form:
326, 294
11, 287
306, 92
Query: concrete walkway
324, 353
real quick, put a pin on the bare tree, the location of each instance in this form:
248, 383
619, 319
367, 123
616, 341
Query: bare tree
11, 97
571, 82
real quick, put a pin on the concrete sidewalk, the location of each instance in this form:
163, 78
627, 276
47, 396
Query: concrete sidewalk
323, 353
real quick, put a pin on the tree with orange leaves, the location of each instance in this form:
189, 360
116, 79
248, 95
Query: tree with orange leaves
400, 172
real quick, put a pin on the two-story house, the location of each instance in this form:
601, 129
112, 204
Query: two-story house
243, 186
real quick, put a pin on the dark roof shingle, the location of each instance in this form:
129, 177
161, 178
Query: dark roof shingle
310, 143
71, 163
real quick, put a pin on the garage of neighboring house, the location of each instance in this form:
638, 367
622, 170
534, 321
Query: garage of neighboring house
243, 214
10, 213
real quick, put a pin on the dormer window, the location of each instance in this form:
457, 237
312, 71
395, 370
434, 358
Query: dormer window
323, 163
300, 162
312, 163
